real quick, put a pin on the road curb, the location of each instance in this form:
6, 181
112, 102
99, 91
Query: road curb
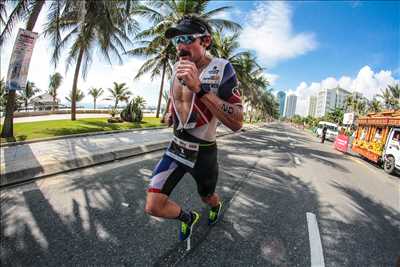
8, 144
52, 168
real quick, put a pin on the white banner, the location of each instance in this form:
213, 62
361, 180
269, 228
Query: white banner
20, 59
348, 118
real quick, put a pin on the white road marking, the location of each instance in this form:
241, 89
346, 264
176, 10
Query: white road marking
297, 160
188, 247
317, 255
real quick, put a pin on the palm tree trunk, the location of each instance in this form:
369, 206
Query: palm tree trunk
75, 85
8, 127
161, 89
54, 103
94, 104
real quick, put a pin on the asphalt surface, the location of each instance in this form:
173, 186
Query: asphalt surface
269, 179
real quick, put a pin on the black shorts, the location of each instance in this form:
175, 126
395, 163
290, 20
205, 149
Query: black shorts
168, 172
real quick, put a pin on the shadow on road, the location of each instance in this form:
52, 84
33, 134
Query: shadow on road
372, 235
263, 224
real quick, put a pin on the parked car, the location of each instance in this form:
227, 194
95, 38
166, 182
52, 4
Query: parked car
332, 130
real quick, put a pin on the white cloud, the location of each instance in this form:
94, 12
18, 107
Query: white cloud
272, 78
269, 32
233, 14
366, 82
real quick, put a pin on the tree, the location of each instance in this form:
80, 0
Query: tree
335, 115
395, 92
348, 103
28, 92
90, 24
391, 96
79, 96
95, 93
153, 44
374, 106
54, 84
23, 9
119, 93
3, 94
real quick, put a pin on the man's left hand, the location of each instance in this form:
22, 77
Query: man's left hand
188, 72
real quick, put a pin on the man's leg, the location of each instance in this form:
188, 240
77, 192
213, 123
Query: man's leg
165, 177
160, 205
212, 200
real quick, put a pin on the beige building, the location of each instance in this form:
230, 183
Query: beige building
329, 99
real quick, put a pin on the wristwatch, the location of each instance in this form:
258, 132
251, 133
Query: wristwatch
204, 89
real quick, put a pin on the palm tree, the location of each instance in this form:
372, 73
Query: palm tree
29, 91
54, 84
3, 94
395, 92
153, 44
27, 10
119, 93
387, 97
374, 106
348, 103
95, 93
88, 24
250, 76
335, 115
79, 96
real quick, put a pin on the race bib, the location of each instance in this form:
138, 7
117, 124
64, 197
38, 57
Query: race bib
183, 151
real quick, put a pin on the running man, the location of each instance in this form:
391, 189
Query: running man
203, 91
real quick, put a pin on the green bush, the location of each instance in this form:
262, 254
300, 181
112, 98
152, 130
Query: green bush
133, 111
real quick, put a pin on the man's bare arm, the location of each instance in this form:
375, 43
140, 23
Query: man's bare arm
230, 115
167, 116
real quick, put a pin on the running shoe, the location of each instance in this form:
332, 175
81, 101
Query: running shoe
214, 213
186, 230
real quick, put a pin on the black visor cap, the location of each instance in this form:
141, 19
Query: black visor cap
186, 26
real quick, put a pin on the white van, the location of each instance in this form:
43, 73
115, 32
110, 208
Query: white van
391, 152
332, 130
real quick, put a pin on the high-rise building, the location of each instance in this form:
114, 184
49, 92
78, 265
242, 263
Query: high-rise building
341, 96
281, 97
312, 106
329, 99
290, 105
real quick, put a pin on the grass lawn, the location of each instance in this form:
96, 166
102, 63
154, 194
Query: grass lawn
43, 129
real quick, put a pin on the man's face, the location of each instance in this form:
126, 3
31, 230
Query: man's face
193, 51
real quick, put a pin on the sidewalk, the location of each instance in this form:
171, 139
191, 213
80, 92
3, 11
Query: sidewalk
34, 160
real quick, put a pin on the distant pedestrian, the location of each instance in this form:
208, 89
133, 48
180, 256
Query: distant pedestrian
323, 135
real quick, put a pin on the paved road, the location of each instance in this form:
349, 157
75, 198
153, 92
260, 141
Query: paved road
269, 179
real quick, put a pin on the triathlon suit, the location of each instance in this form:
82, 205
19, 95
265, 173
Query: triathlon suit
193, 148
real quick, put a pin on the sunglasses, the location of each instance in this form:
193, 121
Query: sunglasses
186, 39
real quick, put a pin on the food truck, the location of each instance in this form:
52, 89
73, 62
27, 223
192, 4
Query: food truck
377, 138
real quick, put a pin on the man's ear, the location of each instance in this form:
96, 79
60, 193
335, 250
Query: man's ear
205, 41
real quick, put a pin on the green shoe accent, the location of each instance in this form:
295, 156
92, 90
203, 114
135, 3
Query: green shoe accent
213, 216
186, 229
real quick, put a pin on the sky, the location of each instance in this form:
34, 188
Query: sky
303, 46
